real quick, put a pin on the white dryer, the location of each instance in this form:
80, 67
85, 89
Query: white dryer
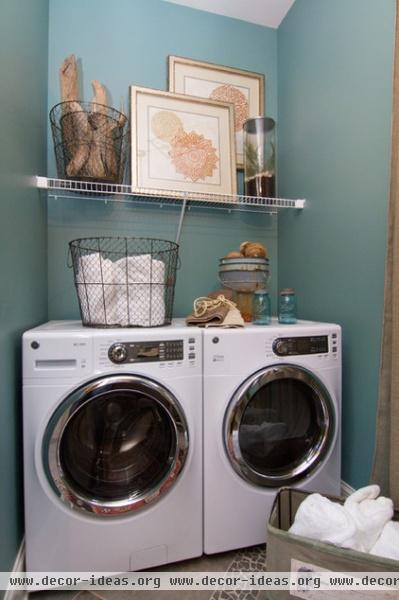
272, 398
112, 447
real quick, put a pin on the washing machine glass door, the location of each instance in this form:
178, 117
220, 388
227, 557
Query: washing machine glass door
279, 426
115, 445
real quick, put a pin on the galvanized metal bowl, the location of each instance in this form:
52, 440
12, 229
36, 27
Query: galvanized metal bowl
244, 274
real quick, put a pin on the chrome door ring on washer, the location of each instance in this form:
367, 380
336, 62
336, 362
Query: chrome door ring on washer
79, 413
315, 446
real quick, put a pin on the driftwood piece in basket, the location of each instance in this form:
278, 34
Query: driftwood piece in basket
100, 97
77, 135
100, 94
103, 160
97, 164
69, 79
76, 130
88, 130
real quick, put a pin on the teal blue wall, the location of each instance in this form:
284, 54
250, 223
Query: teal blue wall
127, 42
334, 63
335, 81
23, 234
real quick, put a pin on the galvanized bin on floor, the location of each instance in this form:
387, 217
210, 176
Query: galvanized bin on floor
284, 549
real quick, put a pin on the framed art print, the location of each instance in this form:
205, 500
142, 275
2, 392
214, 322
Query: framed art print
181, 144
244, 89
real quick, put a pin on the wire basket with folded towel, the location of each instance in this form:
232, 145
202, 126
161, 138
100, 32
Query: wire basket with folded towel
124, 282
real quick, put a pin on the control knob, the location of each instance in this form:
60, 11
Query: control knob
117, 353
280, 347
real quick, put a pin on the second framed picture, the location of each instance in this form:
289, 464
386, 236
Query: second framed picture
181, 144
244, 89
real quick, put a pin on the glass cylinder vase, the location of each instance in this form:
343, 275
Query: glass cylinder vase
287, 307
261, 305
259, 157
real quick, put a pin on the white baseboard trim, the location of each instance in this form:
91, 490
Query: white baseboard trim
346, 489
19, 567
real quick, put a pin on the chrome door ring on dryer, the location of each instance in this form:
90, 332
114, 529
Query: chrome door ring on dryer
115, 445
292, 410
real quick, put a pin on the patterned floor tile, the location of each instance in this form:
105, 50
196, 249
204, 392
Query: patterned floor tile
245, 561
241, 561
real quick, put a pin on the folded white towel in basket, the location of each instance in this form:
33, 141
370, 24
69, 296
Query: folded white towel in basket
141, 302
140, 269
387, 544
370, 515
129, 291
357, 524
95, 287
319, 518
144, 306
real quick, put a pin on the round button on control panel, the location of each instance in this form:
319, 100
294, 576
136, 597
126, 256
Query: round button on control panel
280, 347
117, 353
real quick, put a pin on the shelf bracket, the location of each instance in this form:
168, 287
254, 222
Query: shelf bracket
181, 219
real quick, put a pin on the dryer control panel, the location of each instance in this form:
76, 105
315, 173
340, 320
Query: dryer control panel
146, 351
294, 346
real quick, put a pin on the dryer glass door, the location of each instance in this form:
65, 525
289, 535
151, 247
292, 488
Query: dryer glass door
279, 426
115, 445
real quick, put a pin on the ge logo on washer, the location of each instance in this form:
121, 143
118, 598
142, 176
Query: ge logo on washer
218, 358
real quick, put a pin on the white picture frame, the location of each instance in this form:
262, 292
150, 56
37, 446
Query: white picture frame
181, 144
245, 89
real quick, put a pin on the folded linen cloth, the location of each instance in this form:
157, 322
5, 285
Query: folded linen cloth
214, 316
215, 312
387, 544
232, 319
319, 518
370, 515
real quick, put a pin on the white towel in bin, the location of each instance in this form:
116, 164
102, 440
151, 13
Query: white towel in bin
140, 302
357, 524
96, 291
319, 518
129, 291
370, 514
387, 544
141, 269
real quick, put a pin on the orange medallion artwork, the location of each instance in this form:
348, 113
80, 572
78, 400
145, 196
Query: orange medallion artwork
229, 93
165, 125
193, 155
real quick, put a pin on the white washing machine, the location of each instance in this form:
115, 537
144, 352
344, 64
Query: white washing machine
272, 399
112, 447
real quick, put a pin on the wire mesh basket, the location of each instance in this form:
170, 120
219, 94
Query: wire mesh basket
90, 141
124, 282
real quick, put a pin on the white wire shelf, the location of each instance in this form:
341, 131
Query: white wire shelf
65, 188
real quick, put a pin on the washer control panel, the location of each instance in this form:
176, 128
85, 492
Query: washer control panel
138, 352
294, 346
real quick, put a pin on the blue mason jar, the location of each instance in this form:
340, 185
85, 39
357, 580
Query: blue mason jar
261, 308
287, 307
